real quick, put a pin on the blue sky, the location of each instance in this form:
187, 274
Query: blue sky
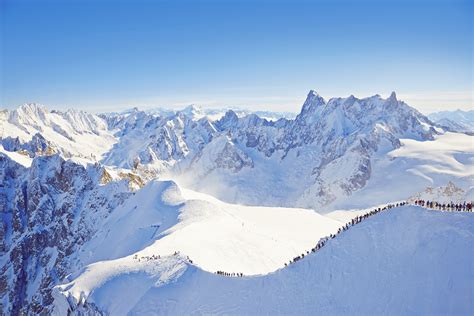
111, 55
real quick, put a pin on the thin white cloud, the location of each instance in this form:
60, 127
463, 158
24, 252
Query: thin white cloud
428, 102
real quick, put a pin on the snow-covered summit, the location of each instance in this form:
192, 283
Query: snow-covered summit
72, 133
193, 111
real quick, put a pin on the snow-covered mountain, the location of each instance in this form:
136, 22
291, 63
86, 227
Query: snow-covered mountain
48, 211
326, 153
406, 261
330, 151
214, 114
456, 121
90, 201
33, 129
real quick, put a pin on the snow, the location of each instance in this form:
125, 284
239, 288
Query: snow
268, 191
328, 155
162, 219
73, 133
17, 157
413, 167
407, 260
441, 153
459, 121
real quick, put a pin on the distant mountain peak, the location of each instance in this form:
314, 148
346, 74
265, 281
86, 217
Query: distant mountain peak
32, 108
192, 107
314, 98
392, 97
311, 104
313, 93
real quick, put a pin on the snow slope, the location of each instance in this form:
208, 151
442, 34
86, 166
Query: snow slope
162, 219
415, 166
407, 261
23, 160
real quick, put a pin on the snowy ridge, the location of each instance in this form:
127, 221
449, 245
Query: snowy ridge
311, 285
73, 134
162, 219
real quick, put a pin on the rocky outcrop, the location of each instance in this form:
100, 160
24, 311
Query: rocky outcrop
48, 212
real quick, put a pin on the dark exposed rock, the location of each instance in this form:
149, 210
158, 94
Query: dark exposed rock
47, 213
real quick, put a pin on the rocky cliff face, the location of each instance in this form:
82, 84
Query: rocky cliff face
48, 212
308, 152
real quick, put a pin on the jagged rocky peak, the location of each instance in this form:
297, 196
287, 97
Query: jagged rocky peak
313, 101
32, 108
28, 113
393, 96
230, 119
391, 101
445, 194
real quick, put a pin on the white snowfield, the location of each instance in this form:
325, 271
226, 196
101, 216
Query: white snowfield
406, 260
76, 134
415, 166
162, 219
23, 160
450, 154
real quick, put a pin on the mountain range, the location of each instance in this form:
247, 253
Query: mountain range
85, 196
458, 121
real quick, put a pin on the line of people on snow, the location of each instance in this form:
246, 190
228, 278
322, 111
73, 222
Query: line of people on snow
156, 257
229, 274
146, 258
353, 222
453, 207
